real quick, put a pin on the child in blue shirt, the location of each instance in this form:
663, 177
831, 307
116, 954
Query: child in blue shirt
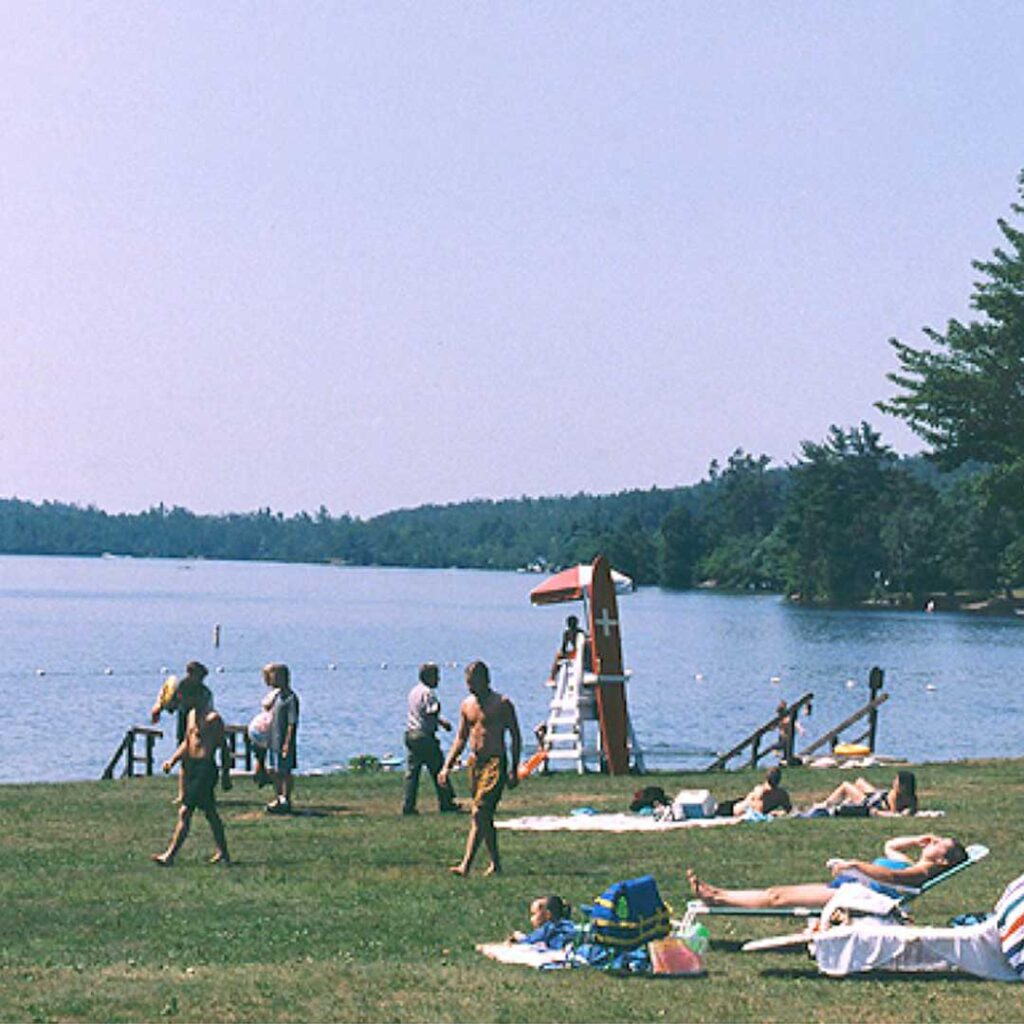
549, 916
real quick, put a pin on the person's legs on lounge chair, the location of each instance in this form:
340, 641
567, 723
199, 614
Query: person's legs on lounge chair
811, 894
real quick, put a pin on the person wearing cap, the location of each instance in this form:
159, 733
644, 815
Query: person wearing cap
421, 744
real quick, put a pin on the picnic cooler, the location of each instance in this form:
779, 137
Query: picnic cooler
628, 914
693, 803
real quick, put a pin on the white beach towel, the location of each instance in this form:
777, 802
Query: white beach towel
606, 823
870, 945
524, 953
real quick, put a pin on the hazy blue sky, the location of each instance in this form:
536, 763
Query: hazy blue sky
379, 254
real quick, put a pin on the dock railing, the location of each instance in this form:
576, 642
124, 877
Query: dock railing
131, 754
876, 679
753, 741
141, 762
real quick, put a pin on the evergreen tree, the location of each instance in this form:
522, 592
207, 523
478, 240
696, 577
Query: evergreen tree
832, 525
964, 394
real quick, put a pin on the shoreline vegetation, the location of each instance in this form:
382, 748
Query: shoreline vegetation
847, 522
347, 912
730, 559
853, 526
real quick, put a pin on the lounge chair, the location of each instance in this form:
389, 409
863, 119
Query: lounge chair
975, 852
992, 948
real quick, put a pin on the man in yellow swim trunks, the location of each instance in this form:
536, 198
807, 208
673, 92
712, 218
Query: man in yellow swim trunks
484, 718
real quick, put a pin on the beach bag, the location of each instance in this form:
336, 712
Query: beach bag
853, 811
648, 797
673, 958
628, 914
259, 729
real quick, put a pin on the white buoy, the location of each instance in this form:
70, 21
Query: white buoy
851, 683
220, 669
108, 671
698, 677
776, 680
383, 664
164, 670
40, 671
930, 687
331, 666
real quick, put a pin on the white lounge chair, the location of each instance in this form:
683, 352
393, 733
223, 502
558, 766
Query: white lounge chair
992, 949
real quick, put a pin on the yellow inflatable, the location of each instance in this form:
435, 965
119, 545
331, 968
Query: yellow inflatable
851, 750
167, 691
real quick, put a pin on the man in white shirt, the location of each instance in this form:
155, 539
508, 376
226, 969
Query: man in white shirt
422, 747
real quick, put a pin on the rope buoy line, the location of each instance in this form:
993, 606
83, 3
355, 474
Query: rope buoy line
134, 673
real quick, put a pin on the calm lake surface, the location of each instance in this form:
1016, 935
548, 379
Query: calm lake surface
86, 642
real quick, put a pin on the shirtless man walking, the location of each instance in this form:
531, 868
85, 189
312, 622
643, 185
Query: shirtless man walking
484, 718
204, 733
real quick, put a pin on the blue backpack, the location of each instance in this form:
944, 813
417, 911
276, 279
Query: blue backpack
628, 914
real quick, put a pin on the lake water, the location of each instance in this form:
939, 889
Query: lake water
85, 644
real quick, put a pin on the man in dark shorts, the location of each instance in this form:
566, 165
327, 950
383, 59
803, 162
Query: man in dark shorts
484, 719
191, 692
422, 748
204, 734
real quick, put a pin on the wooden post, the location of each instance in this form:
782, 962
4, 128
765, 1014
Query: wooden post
876, 679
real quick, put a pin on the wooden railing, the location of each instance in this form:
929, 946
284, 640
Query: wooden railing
239, 750
130, 752
784, 746
876, 679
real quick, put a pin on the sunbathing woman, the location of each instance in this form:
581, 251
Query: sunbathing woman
899, 798
935, 854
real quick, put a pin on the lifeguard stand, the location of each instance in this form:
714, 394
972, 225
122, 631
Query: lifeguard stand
588, 722
572, 731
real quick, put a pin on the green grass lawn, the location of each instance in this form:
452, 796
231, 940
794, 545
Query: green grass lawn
350, 914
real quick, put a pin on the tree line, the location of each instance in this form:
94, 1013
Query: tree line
848, 521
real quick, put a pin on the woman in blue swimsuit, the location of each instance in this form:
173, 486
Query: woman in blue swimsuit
934, 854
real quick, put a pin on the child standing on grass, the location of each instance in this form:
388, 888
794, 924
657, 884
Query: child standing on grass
204, 734
284, 727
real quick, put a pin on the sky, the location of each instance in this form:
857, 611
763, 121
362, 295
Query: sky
377, 255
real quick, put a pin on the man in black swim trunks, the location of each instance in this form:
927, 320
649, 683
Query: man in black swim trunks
203, 735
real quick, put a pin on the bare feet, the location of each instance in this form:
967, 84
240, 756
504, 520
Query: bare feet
701, 890
458, 869
221, 858
492, 870
161, 859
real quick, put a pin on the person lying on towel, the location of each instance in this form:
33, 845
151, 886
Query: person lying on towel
888, 875
549, 919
